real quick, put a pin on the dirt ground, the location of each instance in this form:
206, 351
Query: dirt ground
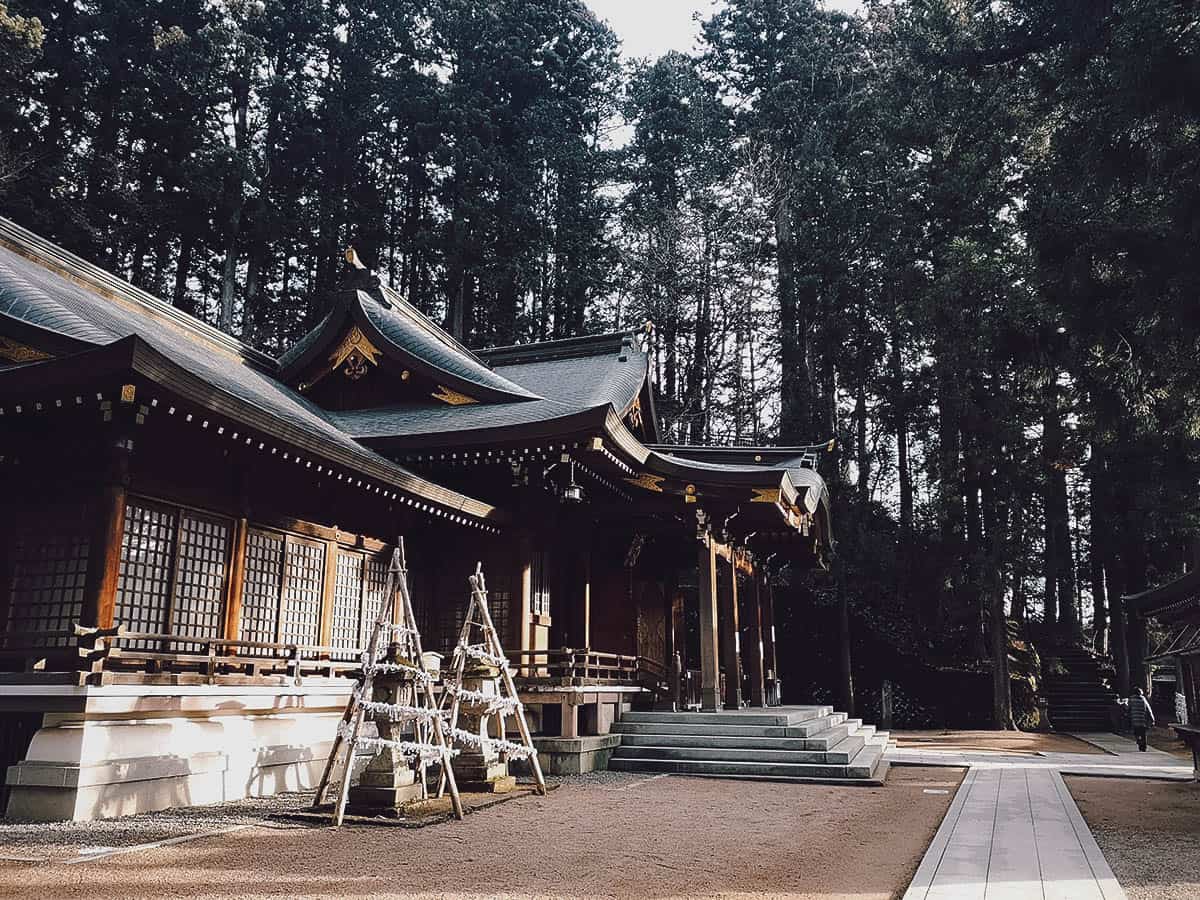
1028, 742
604, 835
1149, 832
1163, 738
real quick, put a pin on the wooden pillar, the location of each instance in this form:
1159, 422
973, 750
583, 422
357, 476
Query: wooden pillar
524, 605
706, 595
237, 580
730, 635
754, 649
770, 662
108, 519
328, 597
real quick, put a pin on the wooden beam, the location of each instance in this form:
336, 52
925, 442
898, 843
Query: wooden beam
706, 595
730, 637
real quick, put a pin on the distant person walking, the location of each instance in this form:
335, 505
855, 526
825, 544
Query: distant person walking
1141, 716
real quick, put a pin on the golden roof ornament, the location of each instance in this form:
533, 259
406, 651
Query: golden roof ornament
352, 258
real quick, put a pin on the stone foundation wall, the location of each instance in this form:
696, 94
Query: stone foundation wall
128, 749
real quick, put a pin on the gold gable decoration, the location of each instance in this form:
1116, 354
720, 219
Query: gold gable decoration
648, 481
453, 398
19, 353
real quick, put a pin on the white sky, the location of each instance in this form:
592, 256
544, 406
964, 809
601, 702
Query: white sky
652, 27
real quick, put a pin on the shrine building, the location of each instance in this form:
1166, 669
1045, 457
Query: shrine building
195, 539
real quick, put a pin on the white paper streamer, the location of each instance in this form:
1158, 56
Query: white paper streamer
492, 702
479, 652
513, 751
426, 753
398, 712
420, 675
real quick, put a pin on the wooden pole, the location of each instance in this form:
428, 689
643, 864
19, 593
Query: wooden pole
754, 650
706, 594
438, 730
353, 713
731, 635
104, 548
495, 649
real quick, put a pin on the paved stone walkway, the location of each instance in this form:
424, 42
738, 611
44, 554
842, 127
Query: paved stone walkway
1014, 831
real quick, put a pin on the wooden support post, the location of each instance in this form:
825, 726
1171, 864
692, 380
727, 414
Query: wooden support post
107, 526
585, 589
730, 634
236, 581
570, 719
327, 593
706, 594
525, 597
754, 648
770, 661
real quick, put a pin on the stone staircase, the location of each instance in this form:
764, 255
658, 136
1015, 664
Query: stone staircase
796, 743
1080, 698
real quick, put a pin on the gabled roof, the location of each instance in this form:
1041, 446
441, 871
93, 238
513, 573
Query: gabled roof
54, 294
569, 380
1168, 601
403, 333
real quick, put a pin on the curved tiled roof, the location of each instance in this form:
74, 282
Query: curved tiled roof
404, 333
568, 377
62, 294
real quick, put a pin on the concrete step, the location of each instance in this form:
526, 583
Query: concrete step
845, 742
792, 716
726, 727
836, 756
861, 767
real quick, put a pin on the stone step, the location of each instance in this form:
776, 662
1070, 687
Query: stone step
725, 754
726, 727
861, 767
792, 716
845, 742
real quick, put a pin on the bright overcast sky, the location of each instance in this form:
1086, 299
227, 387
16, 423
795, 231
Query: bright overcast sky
652, 27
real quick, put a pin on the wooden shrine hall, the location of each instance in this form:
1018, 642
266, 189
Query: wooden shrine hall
196, 536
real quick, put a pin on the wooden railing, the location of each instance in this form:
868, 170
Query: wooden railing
589, 666
92, 652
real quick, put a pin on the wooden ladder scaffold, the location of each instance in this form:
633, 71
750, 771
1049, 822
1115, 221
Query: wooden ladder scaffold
432, 744
507, 702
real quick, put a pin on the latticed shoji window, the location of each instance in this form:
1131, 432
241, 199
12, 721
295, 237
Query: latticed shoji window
347, 600
374, 588
49, 566
147, 557
303, 577
261, 586
202, 563
499, 602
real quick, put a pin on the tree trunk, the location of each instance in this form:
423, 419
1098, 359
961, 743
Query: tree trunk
994, 515
1099, 516
795, 378
846, 682
900, 413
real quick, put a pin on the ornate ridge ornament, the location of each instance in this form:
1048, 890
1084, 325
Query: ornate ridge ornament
19, 353
454, 398
648, 481
635, 413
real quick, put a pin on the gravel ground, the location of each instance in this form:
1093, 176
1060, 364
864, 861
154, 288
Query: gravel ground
1029, 742
606, 834
1149, 832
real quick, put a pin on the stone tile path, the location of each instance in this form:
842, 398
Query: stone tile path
1013, 830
